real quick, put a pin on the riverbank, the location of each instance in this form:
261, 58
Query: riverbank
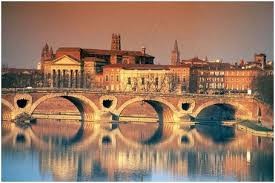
255, 128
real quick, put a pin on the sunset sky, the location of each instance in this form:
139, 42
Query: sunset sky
230, 31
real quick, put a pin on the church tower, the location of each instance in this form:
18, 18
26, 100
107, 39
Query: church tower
46, 54
116, 44
175, 56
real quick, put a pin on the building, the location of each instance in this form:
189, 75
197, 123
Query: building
240, 80
145, 78
77, 67
122, 70
209, 77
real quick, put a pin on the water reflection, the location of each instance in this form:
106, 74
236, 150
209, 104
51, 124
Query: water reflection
71, 151
218, 133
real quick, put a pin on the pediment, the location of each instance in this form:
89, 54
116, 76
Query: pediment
65, 60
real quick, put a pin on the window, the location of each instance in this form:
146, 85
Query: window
106, 79
129, 81
142, 81
156, 81
117, 78
111, 77
183, 79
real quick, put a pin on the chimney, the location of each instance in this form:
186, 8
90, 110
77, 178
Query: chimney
143, 50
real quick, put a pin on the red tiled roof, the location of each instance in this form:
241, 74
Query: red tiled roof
183, 65
117, 52
138, 66
69, 49
195, 59
93, 59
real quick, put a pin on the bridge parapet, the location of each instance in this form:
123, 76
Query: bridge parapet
106, 92
91, 102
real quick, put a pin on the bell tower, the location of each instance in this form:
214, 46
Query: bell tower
175, 55
116, 44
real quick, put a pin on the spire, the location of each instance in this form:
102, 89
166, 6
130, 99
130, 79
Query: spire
51, 52
176, 46
47, 47
47, 53
175, 55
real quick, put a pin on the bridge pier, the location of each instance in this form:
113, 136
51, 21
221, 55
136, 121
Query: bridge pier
170, 107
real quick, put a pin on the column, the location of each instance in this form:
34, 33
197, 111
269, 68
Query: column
65, 79
72, 79
52, 79
58, 78
76, 78
81, 79
69, 79
84, 80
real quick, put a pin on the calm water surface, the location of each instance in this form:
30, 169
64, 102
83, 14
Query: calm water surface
56, 150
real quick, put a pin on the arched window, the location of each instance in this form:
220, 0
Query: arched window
142, 81
156, 81
129, 81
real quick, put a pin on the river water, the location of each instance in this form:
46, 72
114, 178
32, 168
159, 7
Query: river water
59, 150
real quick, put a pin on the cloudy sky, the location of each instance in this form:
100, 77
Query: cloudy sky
231, 31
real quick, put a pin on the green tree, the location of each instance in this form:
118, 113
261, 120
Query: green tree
263, 85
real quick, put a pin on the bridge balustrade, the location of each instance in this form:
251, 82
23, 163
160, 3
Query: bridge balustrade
103, 91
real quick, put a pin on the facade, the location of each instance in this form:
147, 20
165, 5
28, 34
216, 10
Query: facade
240, 80
78, 67
226, 80
210, 81
145, 78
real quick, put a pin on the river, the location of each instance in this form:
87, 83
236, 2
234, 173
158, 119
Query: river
68, 150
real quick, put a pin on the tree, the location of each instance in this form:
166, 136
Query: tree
9, 80
263, 86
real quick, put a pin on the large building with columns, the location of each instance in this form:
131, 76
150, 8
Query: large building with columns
78, 67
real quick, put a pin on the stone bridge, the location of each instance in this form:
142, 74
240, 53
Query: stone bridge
107, 106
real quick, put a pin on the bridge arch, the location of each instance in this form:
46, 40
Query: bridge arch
164, 109
240, 111
86, 107
8, 113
